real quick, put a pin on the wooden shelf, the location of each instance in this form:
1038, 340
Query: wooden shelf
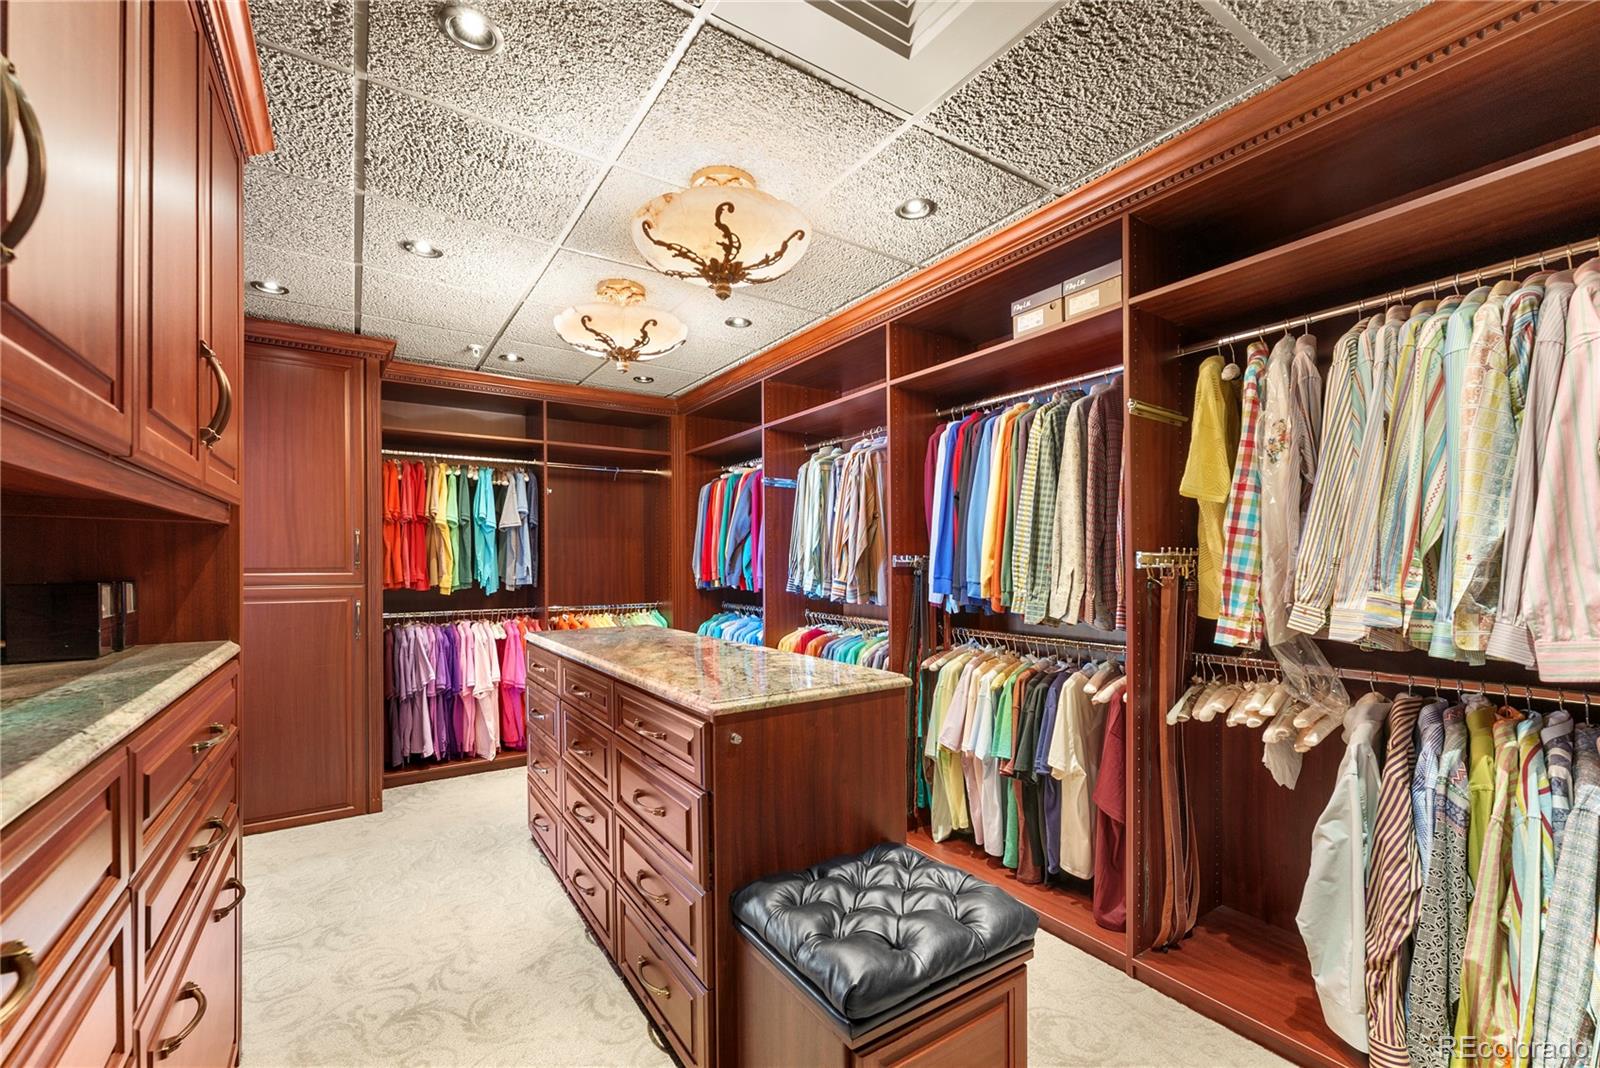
740, 445
455, 441
849, 413
1255, 979
449, 769
579, 452
1064, 911
1544, 193
1055, 352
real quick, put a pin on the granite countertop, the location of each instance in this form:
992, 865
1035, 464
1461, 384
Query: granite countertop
57, 718
709, 675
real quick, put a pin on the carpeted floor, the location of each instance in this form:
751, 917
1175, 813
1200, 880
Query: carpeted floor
431, 934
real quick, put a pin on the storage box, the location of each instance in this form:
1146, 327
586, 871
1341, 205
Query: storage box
58, 621
1091, 292
127, 615
1036, 312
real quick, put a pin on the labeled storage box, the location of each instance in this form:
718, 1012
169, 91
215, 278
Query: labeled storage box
1036, 312
1090, 292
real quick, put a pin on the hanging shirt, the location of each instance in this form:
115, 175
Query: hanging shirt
1240, 622
1213, 438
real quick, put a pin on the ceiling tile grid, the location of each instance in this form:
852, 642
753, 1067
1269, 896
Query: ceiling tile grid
526, 166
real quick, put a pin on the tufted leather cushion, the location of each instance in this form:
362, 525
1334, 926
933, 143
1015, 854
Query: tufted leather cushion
873, 931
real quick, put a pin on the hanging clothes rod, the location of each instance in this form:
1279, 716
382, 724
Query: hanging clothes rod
1018, 641
862, 436
1087, 376
743, 609
1507, 690
463, 613
631, 606
745, 465
1494, 270
504, 461
856, 622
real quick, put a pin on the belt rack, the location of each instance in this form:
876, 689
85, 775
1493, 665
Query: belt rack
1032, 642
853, 622
1178, 561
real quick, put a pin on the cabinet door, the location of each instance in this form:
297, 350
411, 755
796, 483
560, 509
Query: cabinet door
200, 1024
66, 332
304, 730
305, 497
224, 312
169, 395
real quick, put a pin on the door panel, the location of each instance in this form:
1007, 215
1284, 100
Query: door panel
224, 299
200, 1026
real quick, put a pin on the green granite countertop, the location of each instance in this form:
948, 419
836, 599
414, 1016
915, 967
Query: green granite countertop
710, 675
56, 719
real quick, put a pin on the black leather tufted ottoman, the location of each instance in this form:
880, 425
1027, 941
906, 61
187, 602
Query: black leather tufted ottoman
883, 957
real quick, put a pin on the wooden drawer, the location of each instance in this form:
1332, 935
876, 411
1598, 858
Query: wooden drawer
672, 996
544, 825
675, 811
588, 748
542, 705
544, 668
87, 1022
588, 690
169, 883
544, 770
590, 885
676, 906
669, 734
193, 731
194, 1020
587, 815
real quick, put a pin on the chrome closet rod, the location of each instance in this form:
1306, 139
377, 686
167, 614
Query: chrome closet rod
744, 465
504, 461
743, 609
1006, 638
860, 436
1505, 267
1087, 376
462, 613
856, 622
631, 606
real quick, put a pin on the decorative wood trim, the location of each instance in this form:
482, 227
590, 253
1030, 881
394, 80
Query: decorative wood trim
316, 339
1416, 47
419, 374
233, 48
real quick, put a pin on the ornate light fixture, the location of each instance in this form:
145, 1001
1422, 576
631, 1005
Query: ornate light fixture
721, 232
619, 326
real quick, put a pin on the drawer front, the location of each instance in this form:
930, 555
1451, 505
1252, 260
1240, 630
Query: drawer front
195, 1021
675, 811
670, 735
675, 905
174, 875
66, 864
544, 770
544, 668
88, 1021
545, 826
588, 748
589, 690
542, 706
673, 997
193, 735
591, 887
587, 815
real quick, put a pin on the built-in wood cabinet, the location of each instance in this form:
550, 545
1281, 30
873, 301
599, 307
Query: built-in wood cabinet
222, 313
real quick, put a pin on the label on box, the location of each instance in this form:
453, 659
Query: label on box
1031, 320
1082, 302
1044, 296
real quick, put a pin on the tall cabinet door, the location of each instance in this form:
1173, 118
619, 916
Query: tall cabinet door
67, 334
223, 337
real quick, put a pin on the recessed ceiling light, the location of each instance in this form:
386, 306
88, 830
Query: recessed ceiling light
421, 246
510, 357
271, 287
468, 27
738, 322
916, 208
643, 379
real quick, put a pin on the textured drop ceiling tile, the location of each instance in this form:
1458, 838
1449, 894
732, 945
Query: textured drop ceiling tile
572, 71
313, 113
1308, 28
702, 358
424, 153
541, 361
280, 310
571, 278
666, 381
416, 341
603, 229
705, 317
321, 28
729, 102
1094, 81
490, 262
832, 274
399, 296
283, 211
311, 279
969, 192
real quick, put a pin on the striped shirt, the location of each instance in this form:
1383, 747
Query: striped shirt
1420, 589
1103, 501
1533, 864
1402, 478
1562, 1010
1068, 572
1240, 623
1442, 914
1394, 887
1046, 472
1291, 418
1458, 337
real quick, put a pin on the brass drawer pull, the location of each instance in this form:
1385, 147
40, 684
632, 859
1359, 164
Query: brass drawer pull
575, 806
196, 852
16, 958
541, 769
219, 735
541, 824
578, 692
654, 810
585, 753
537, 715
17, 108
211, 433
640, 963
586, 891
191, 992
540, 668
638, 880
231, 884
639, 727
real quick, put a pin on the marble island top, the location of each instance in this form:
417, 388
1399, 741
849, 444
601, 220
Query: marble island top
57, 718
709, 675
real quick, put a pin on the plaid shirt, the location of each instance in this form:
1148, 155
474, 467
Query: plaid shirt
1562, 1010
1394, 888
1240, 623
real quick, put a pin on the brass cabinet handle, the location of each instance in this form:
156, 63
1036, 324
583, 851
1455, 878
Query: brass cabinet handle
17, 959
211, 433
219, 734
586, 891
222, 913
191, 992
196, 852
17, 108
539, 769
537, 715
638, 726
540, 668
542, 824
640, 963
638, 880
575, 806
654, 810
585, 753
578, 692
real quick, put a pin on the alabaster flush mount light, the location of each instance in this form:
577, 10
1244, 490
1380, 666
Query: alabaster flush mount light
619, 326
721, 232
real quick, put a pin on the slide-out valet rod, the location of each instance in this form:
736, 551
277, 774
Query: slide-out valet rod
877, 431
505, 461
1038, 641
854, 622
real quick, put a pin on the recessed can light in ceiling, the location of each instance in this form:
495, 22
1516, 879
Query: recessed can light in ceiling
738, 322
271, 287
421, 246
469, 28
510, 357
643, 379
916, 208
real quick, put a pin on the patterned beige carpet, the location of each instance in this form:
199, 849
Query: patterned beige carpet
431, 934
